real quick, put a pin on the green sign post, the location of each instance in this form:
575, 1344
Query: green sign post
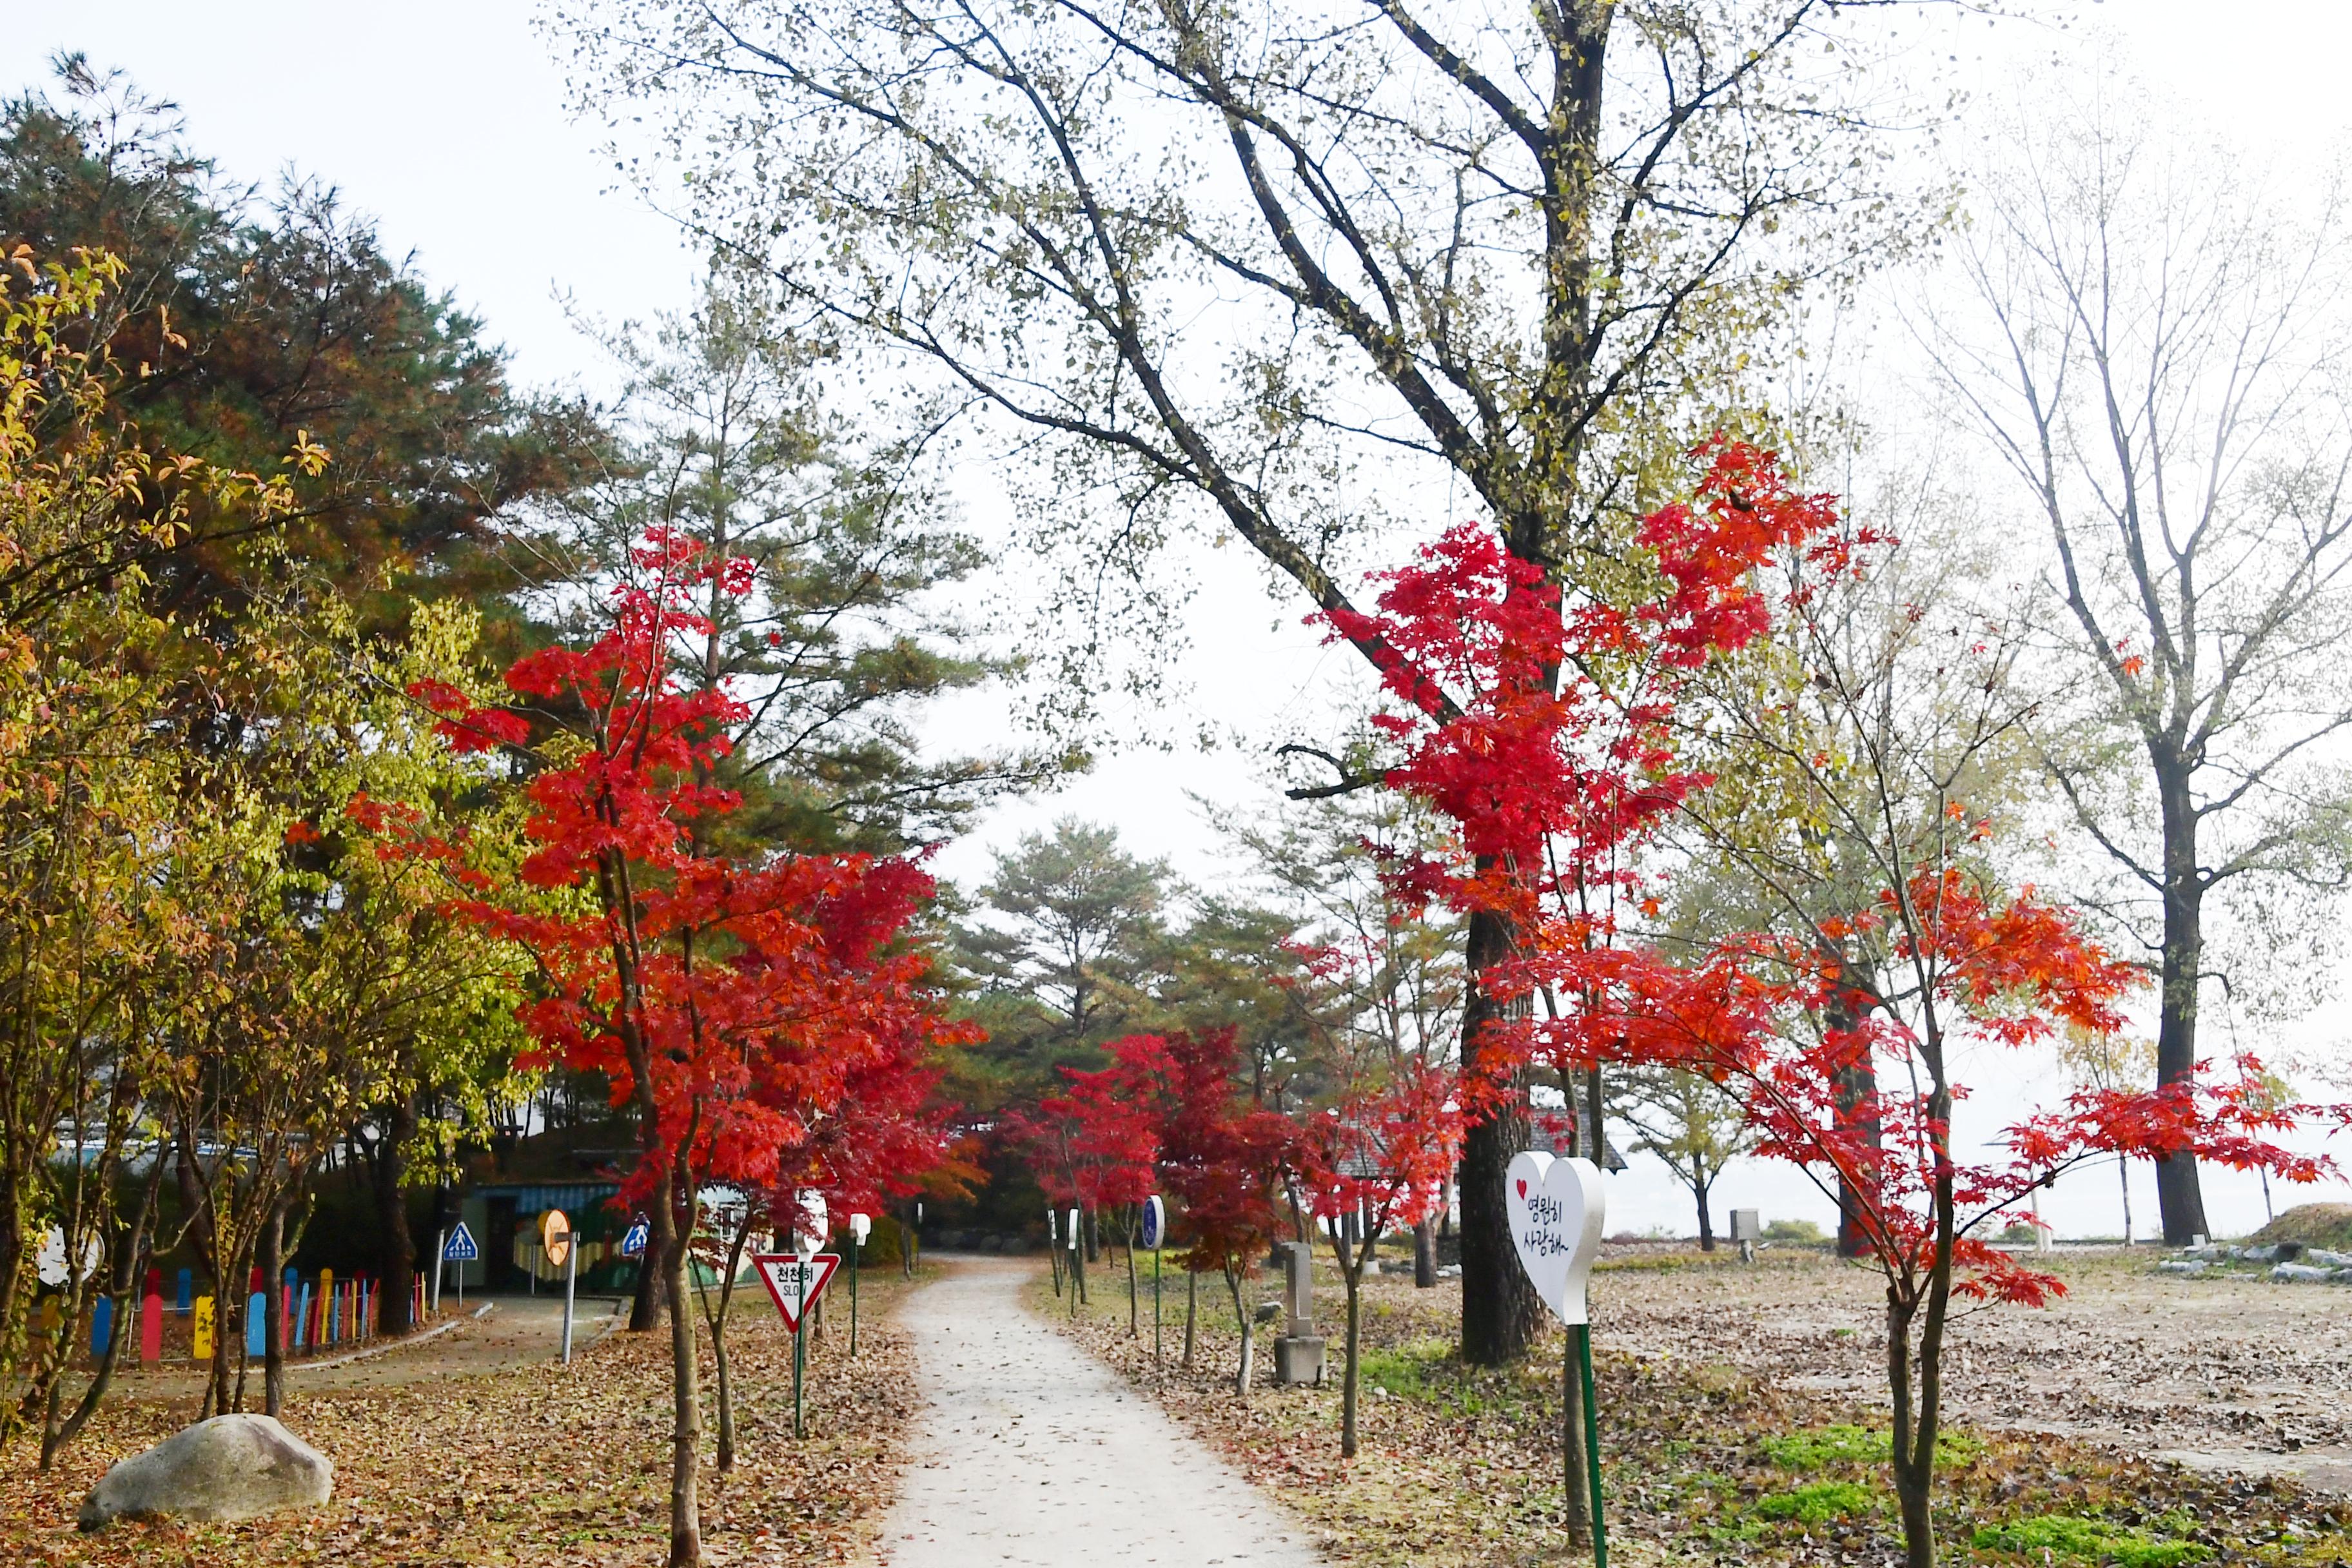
1155, 1233
1557, 1206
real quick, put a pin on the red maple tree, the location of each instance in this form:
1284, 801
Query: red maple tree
1374, 1160
733, 1004
1220, 1159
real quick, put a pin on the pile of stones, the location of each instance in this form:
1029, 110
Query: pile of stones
2289, 1263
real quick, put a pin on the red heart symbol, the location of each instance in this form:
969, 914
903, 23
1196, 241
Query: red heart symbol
1522, 1189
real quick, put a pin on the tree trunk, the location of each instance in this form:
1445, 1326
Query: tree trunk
1576, 1501
396, 1248
2179, 1195
2123, 1174
686, 1434
1424, 1257
1500, 1309
1854, 1085
1910, 1487
646, 1300
1699, 1184
273, 1346
1249, 1334
1355, 1277
1093, 1243
1191, 1309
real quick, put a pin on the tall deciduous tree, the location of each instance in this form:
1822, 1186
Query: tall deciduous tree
1471, 250
2160, 364
1686, 1120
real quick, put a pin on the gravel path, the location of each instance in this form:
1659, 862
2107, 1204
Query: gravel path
1022, 1428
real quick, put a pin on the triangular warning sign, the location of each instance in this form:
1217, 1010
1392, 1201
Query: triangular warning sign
795, 1281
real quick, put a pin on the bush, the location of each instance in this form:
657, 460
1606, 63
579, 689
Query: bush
1793, 1230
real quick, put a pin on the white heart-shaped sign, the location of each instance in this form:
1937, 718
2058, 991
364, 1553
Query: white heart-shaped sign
1557, 1208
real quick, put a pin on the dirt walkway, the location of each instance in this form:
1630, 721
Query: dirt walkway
1019, 1429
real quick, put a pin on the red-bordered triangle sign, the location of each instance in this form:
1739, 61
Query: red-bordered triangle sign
795, 1281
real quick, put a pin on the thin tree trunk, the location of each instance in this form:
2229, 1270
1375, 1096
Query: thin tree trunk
1191, 1309
1249, 1334
396, 1247
1424, 1258
718, 1323
686, 1434
1576, 1501
1699, 1184
1347, 1373
2123, 1174
273, 1349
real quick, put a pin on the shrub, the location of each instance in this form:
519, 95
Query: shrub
1793, 1230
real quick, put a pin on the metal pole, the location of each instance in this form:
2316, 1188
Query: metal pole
440, 1266
571, 1273
1155, 1303
1592, 1444
800, 1358
856, 1256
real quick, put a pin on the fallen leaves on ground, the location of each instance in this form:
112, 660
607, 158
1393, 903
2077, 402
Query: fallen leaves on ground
538, 1465
1724, 1439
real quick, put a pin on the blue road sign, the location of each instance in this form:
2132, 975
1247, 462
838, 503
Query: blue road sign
1155, 1222
633, 1245
460, 1248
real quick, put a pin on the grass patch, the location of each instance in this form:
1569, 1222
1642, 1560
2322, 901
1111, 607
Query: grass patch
1848, 1445
2091, 1539
1415, 1370
1816, 1504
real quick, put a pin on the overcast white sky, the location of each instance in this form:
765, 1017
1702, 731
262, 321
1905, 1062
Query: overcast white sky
446, 122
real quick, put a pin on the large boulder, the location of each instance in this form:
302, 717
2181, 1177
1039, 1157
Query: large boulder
229, 1468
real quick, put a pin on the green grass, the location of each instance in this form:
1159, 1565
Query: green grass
1815, 1504
2093, 1540
1845, 1445
1410, 1370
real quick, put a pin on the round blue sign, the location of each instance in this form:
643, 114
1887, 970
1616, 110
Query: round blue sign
1155, 1222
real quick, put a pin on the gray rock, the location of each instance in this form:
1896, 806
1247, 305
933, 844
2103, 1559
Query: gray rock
2326, 1259
2298, 1274
2255, 1254
229, 1468
2341, 1277
2180, 1266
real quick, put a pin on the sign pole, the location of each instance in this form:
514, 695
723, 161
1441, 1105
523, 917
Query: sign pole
1155, 1305
800, 1361
1583, 1335
856, 1259
571, 1275
440, 1265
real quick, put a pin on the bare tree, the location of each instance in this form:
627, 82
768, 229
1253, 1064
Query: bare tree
2159, 361
1223, 262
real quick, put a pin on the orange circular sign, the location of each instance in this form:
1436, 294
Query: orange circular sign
555, 1236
